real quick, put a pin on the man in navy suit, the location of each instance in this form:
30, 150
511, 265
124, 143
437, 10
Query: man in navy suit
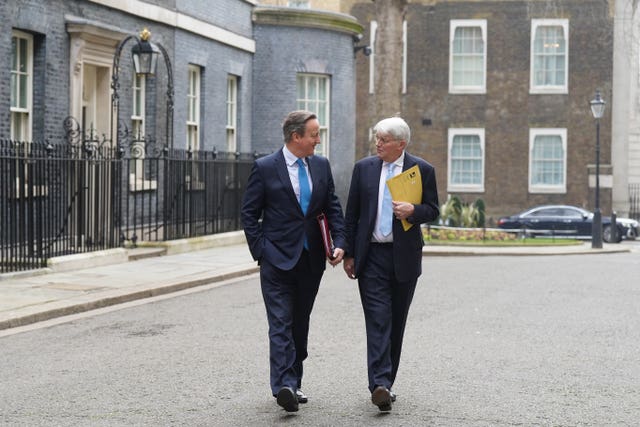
385, 258
288, 190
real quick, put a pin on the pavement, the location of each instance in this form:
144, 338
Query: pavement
79, 283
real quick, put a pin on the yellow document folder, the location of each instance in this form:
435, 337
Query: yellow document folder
406, 187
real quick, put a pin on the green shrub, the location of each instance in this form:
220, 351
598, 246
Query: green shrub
455, 213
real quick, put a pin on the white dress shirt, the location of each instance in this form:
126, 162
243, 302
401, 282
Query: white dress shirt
397, 168
290, 159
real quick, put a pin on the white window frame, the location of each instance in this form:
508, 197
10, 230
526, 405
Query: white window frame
471, 23
193, 107
549, 89
138, 103
22, 131
313, 105
548, 188
232, 113
404, 57
372, 56
137, 179
468, 188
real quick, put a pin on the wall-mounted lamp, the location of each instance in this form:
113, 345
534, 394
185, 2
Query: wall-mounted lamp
366, 50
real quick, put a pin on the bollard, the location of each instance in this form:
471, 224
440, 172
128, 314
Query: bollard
614, 228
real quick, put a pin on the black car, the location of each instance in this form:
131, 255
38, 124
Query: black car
567, 221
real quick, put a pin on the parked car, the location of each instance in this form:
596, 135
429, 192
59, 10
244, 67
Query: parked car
567, 221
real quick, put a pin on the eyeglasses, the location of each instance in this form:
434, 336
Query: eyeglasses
383, 140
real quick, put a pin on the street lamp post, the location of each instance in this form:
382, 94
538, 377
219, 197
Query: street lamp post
597, 109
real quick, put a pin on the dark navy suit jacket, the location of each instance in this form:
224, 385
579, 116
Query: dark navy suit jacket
362, 206
279, 237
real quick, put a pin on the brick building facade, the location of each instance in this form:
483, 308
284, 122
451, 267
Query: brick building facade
515, 134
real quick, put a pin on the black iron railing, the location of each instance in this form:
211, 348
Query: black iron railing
81, 197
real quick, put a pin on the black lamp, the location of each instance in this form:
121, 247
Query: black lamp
145, 54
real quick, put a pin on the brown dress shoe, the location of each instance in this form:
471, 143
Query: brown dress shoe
381, 397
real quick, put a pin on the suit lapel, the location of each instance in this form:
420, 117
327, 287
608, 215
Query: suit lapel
409, 161
283, 174
315, 171
373, 183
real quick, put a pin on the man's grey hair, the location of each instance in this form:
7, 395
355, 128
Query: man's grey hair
394, 126
296, 122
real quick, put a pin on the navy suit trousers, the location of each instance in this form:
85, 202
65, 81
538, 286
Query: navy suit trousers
385, 302
288, 297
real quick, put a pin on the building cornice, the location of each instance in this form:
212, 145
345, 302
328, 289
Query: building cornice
180, 20
308, 18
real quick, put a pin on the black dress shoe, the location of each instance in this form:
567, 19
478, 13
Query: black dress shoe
381, 397
302, 398
287, 399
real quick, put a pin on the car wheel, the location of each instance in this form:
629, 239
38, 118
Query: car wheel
607, 237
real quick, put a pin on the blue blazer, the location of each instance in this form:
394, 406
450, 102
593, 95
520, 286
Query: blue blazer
279, 237
362, 206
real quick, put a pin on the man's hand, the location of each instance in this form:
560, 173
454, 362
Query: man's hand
349, 268
337, 256
403, 210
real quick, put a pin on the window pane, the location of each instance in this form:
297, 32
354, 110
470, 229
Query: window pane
322, 93
193, 108
466, 160
549, 56
548, 160
14, 90
138, 100
18, 126
23, 91
231, 140
468, 57
313, 88
313, 95
22, 66
20, 86
232, 94
136, 103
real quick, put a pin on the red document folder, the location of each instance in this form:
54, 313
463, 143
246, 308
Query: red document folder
326, 235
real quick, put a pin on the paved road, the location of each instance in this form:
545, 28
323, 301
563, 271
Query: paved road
491, 341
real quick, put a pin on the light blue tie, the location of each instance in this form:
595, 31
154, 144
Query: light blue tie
386, 213
305, 190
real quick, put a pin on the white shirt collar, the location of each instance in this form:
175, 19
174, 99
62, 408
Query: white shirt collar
398, 162
289, 158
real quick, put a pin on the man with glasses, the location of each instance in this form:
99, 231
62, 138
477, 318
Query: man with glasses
386, 259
